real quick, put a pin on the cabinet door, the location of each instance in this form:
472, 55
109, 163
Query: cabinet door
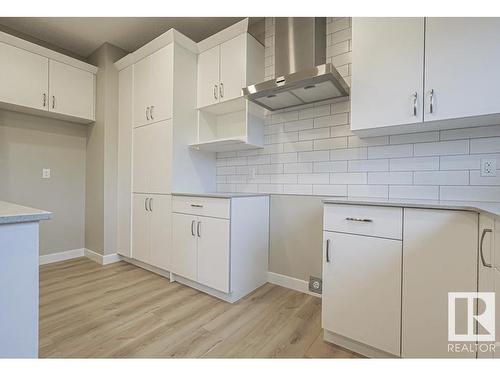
142, 91
184, 250
439, 256
213, 253
208, 77
458, 66
362, 289
140, 228
161, 84
141, 159
161, 230
160, 157
24, 76
233, 60
387, 72
71, 90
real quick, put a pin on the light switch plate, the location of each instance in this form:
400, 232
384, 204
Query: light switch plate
45, 173
488, 167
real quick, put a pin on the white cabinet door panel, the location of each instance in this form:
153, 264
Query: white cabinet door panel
208, 77
162, 71
439, 256
24, 77
362, 289
459, 67
387, 71
161, 230
140, 229
142, 90
71, 90
141, 159
213, 253
160, 156
233, 60
184, 252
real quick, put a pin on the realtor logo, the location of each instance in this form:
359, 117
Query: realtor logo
485, 318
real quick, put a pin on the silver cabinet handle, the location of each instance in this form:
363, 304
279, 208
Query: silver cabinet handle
147, 113
215, 92
359, 219
221, 90
53, 101
197, 205
415, 96
481, 248
44, 100
431, 101
151, 112
192, 227
198, 229
328, 251
146, 204
150, 204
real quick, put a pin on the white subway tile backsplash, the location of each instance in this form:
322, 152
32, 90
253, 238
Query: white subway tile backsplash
470, 193
414, 164
395, 151
330, 166
442, 178
374, 165
442, 148
354, 178
390, 178
311, 150
414, 192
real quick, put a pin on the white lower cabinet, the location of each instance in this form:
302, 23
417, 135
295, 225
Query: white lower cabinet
220, 245
385, 291
362, 289
152, 229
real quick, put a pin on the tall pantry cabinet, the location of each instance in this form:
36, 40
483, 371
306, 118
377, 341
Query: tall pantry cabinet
157, 121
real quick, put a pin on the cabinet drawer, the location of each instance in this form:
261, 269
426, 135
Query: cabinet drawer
214, 207
365, 220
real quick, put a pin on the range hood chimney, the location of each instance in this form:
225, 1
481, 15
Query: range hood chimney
302, 74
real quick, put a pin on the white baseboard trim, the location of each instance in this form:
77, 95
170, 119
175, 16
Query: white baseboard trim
290, 283
60, 256
101, 259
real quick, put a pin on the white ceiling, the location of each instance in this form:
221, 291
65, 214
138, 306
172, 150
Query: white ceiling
83, 35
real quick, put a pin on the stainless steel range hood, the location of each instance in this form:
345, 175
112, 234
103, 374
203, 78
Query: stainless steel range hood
303, 77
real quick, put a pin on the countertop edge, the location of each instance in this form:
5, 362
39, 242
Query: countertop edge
221, 195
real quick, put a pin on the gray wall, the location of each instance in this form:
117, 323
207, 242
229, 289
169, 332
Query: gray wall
30, 143
102, 155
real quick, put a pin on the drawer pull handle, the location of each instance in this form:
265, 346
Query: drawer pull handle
197, 205
328, 251
359, 219
488, 265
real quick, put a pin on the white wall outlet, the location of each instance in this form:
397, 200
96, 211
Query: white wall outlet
253, 171
488, 167
45, 173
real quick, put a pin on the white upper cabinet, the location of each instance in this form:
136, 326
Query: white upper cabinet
24, 77
387, 69
153, 87
461, 69
416, 74
41, 81
71, 90
233, 65
208, 77
225, 69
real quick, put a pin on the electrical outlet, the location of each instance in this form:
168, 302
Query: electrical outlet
488, 167
315, 284
253, 171
45, 173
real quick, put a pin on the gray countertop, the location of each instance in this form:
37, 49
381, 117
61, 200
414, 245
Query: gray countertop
11, 213
492, 208
221, 195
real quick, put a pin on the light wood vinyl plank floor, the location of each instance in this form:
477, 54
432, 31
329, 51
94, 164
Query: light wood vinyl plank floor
120, 310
